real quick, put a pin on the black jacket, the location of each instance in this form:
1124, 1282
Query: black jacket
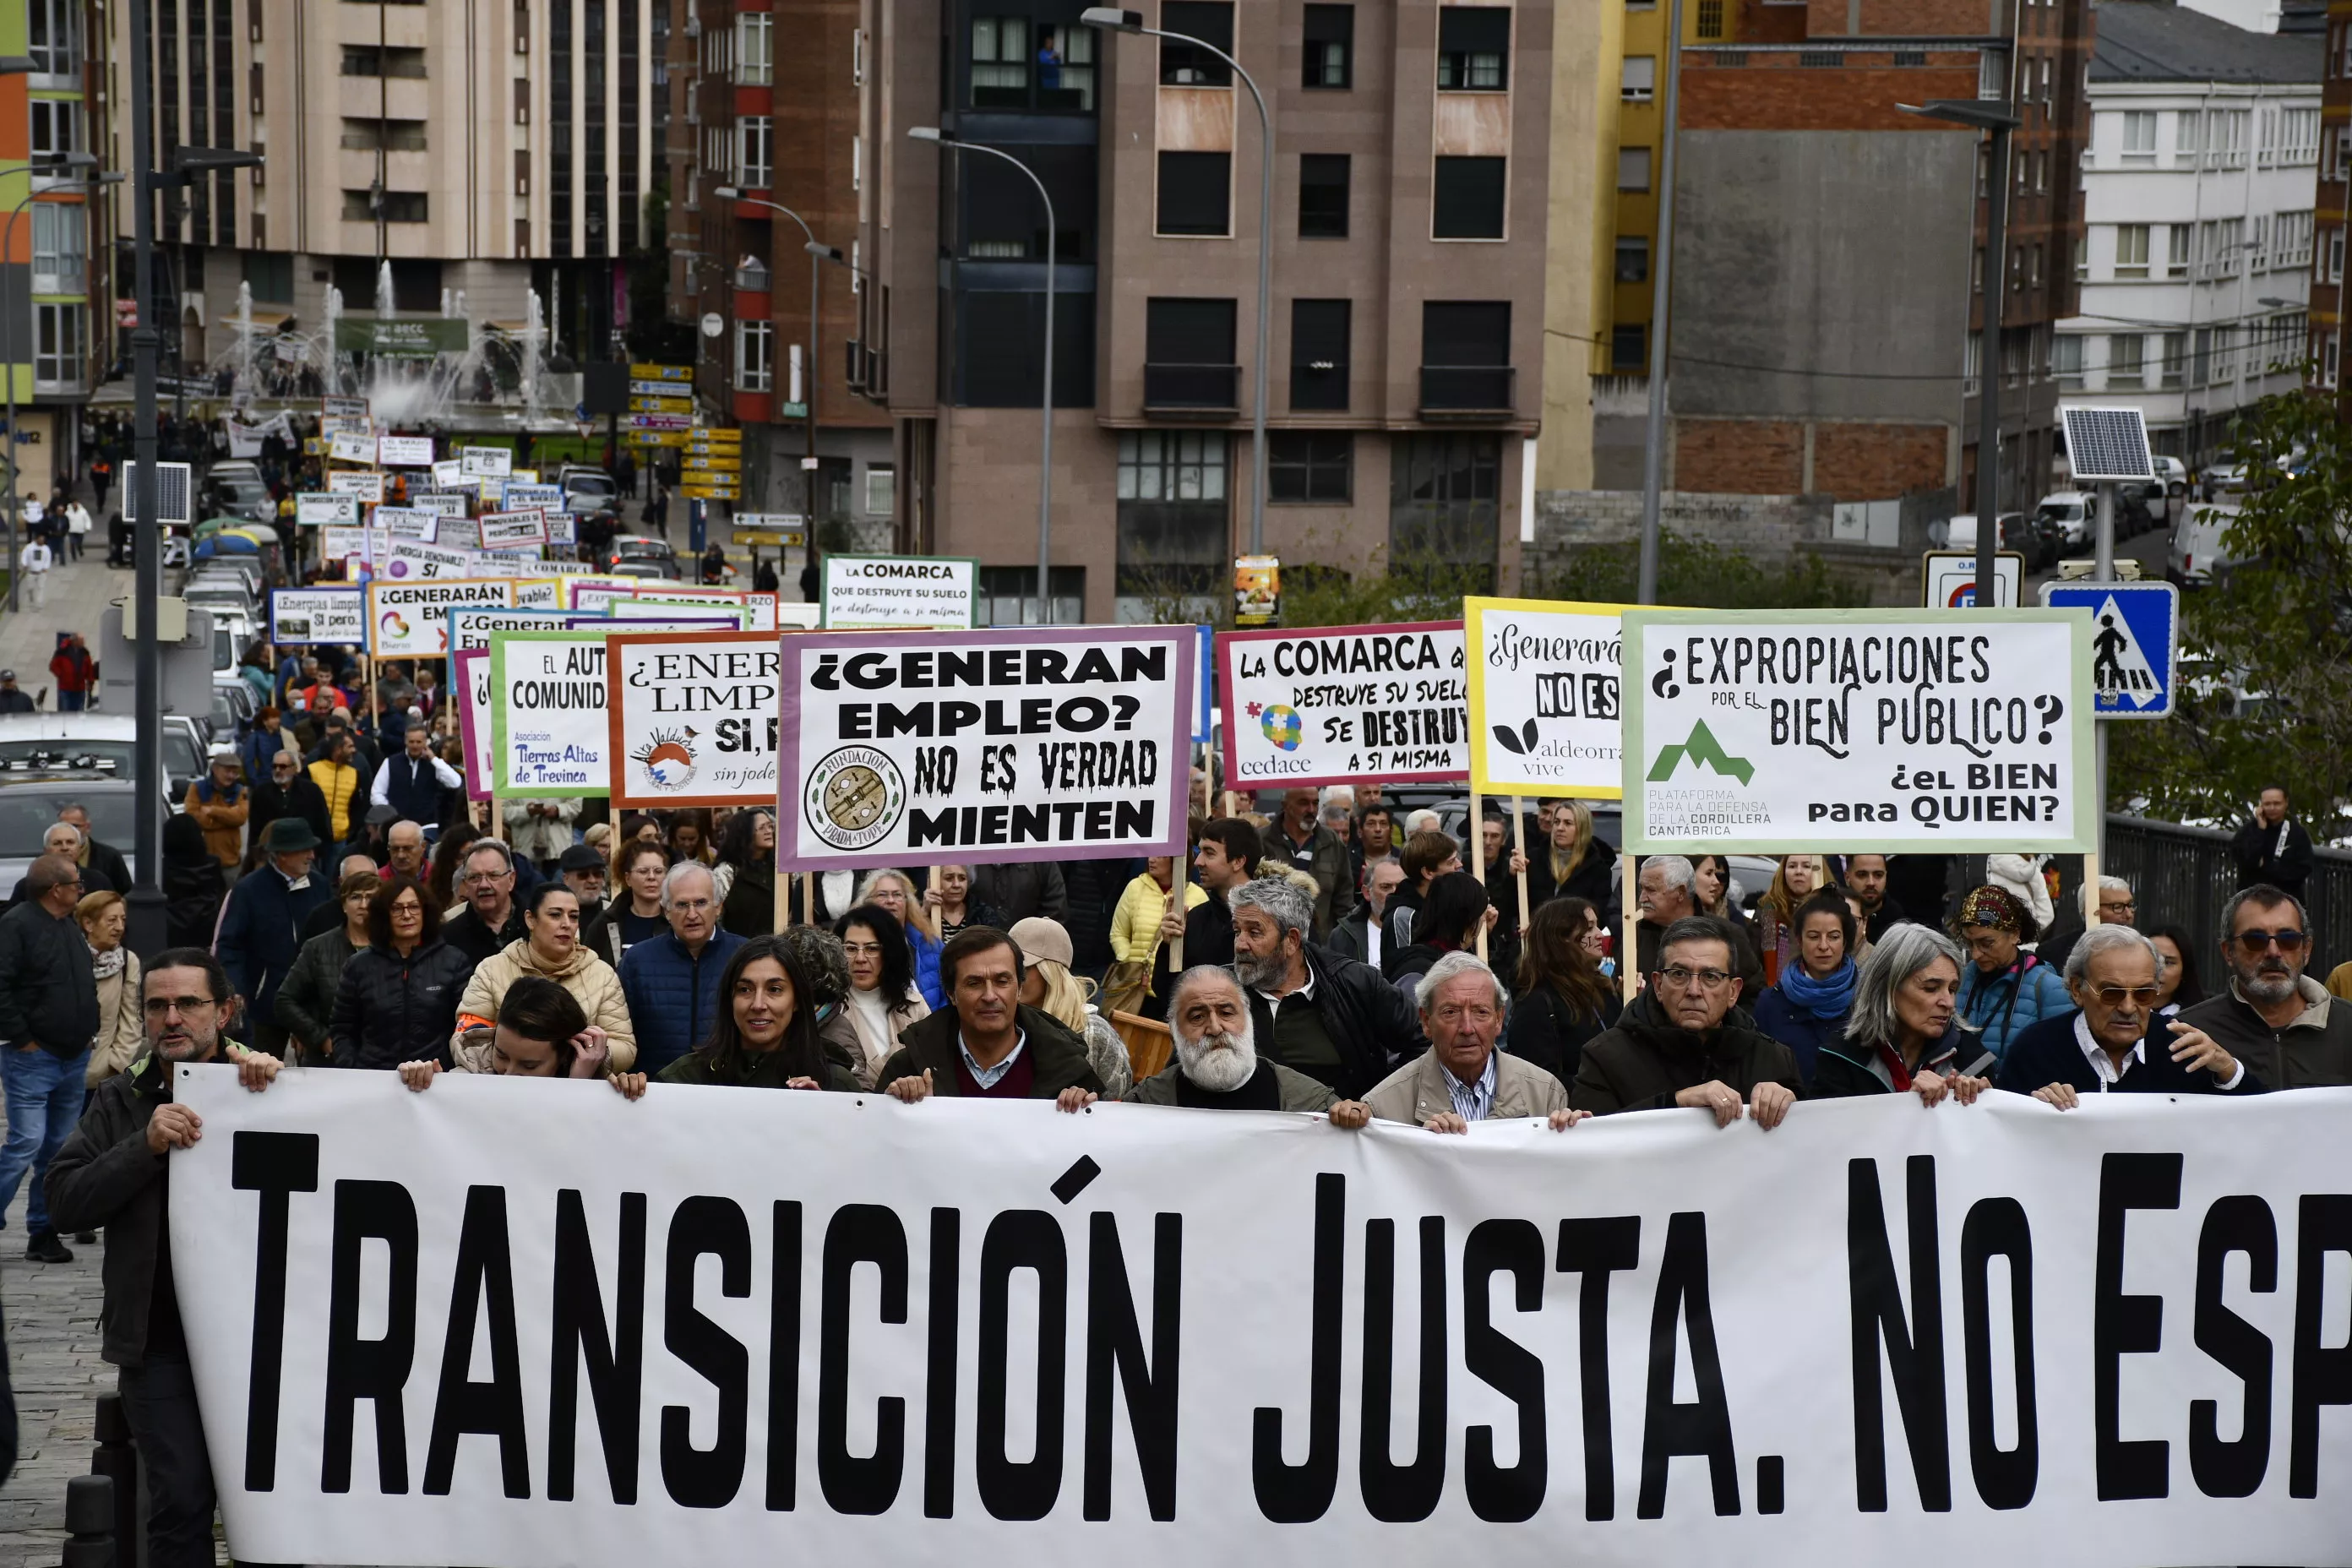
750, 906
2265, 856
1646, 1060
1208, 939
2047, 1053
2314, 1051
1371, 1025
193, 892
106, 1176
47, 991
1057, 1056
1020, 889
1546, 1032
467, 933
390, 1009
108, 862
1845, 1068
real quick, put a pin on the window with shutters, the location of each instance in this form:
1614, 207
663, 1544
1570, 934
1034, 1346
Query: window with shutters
1319, 330
1474, 49
1195, 195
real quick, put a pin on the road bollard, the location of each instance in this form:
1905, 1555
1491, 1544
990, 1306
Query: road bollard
89, 1522
118, 1459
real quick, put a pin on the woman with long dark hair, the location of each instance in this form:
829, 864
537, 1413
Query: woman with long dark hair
448, 855
882, 996
2176, 983
766, 1033
746, 874
1563, 999
1451, 913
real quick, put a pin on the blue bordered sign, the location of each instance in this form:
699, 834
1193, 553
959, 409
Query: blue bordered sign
2134, 644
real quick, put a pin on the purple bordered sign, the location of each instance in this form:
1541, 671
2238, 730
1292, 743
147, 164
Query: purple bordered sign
1021, 743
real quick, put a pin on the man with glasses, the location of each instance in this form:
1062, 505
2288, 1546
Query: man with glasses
671, 983
115, 1171
1679, 1042
2291, 1032
48, 1013
489, 920
2107, 1047
1461, 1077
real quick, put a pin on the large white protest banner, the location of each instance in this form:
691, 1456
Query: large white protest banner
410, 620
867, 592
454, 1327
549, 735
1342, 704
1778, 731
311, 616
694, 719
1022, 744
1544, 697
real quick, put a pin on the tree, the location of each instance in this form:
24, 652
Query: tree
2267, 691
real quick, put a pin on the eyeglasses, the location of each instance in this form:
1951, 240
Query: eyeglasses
2126, 905
1683, 979
862, 949
2116, 995
164, 1007
475, 878
2254, 941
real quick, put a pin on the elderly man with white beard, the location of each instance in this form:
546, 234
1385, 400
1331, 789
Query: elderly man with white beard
1463, 1078
1217, 1067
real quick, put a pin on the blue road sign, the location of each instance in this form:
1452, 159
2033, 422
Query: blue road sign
2135, 643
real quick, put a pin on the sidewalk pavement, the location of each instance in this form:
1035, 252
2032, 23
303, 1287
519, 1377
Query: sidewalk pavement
78, 592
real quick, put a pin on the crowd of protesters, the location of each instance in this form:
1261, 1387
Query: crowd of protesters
333, 904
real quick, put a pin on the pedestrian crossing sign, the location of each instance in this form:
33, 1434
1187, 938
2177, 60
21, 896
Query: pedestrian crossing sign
2135, 642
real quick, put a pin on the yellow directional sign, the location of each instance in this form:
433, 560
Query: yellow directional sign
771, 538
701, 491
655, 438
661, 404
729, 462
661, 373
723, 437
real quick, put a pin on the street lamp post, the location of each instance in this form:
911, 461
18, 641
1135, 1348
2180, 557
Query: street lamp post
1996, 117
817, 256
1046, 456
1110, 18
7, 355
1662, 292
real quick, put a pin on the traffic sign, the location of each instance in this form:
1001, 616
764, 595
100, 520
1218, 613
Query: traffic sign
1948, 578
2134, 644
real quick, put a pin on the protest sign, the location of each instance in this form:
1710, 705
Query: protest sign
440, 503
1544, 697
736, 616
470, 625
539, 592
409, 522
863, 591
412, 558
1877, 1333
693, 718
410, 620
1779, 731
1342, 704
345, 544
364, 486
344, 407
470, 679
486, 462
548, 731
449, 474
562, 527
317, 510
404, 451
522, 496
351, 446
1024, 743
597, 593
508, 530
317, 615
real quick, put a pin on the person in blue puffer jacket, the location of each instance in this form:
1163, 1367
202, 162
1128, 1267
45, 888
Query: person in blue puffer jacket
671, 981
2006, 989
896, 892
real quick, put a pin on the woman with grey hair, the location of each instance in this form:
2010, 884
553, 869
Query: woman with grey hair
1901, 1035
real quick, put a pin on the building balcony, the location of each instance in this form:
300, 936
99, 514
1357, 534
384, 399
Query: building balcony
1479, 391
1200, 391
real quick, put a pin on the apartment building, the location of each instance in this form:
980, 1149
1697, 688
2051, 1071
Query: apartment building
1404, 364
52, 263
2324, 349
766, 101
488, 149
2199, 188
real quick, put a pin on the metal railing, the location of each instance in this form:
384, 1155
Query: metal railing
2182, 876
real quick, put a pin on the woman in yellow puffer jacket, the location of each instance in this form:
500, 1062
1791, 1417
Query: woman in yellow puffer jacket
1135, 923
338, 781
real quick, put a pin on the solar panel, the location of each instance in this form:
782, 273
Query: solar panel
2107, 444
173, 503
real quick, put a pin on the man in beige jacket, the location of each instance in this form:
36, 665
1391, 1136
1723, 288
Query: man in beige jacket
1461, 1077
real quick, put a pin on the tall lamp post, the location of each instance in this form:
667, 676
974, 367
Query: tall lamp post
818, 256
38, 166
1045, 456
1993, 116
1110, 18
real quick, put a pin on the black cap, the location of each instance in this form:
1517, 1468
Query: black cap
581, 857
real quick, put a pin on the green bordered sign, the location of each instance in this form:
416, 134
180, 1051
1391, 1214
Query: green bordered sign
1776, 732
907, 592
549, 727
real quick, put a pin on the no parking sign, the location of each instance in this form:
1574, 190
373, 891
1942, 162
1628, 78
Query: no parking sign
2134, 641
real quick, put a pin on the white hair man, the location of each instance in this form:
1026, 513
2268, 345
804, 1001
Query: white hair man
1461, 1077
2111, 1046
1327, 1016
1217, 1067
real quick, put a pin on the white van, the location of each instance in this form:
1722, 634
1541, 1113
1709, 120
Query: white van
2195, 550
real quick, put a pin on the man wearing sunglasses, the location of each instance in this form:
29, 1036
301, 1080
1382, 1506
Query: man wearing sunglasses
2290, 1031
2109, 1045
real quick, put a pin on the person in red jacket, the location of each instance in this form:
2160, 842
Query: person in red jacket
77, 672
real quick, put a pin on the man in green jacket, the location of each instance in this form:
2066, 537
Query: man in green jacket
1297, 840
115, 1171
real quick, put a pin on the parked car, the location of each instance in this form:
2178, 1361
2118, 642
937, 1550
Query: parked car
2016, 534
2075, 513
100, 741
30, 804
237, 496
627, 547
233, 707
2196, 552
579, 479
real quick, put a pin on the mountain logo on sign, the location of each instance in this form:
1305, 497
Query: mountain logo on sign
1703, 751
2120, 673
666, 759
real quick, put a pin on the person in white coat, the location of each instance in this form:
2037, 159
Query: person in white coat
2021, 875
77, 526
541, 829
37, 562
